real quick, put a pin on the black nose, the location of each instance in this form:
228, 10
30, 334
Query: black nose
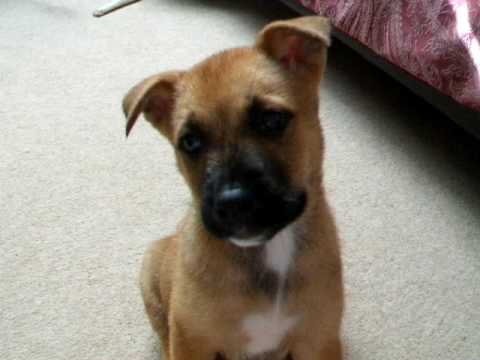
234, 202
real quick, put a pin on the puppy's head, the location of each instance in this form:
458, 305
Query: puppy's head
244, 125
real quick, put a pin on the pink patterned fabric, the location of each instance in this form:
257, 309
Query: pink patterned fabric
437, 41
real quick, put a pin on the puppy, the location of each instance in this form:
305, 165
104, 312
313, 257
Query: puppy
254, 270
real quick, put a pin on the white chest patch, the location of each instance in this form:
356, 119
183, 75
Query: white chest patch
279, 252
266, 330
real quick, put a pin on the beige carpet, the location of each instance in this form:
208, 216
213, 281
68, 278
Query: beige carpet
79, 204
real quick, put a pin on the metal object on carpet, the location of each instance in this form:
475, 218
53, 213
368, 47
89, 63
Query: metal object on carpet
112, 6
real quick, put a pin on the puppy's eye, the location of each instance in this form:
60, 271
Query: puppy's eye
191, 143
269, 123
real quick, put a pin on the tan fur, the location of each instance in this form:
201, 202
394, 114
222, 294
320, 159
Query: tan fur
195, 293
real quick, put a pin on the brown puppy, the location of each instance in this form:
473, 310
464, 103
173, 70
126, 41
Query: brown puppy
254, 269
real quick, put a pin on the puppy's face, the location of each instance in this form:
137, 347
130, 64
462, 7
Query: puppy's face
245, 129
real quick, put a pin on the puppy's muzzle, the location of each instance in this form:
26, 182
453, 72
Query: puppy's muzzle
234, 202
248, 203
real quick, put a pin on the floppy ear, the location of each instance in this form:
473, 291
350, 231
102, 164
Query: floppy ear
300, 43
155, 97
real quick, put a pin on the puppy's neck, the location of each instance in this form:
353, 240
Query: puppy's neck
279, 252
273, 258
261, 269
267, 268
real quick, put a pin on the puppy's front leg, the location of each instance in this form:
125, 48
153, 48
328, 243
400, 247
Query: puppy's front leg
329, 351
184, 346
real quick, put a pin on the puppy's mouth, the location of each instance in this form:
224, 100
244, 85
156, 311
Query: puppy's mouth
248, 241
255, 218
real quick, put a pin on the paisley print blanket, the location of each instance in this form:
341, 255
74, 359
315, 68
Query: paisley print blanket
436, 41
